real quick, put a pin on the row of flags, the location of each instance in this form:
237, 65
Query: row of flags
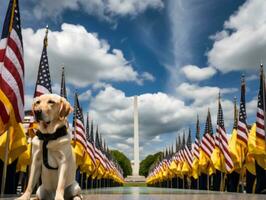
92, 157
244, 152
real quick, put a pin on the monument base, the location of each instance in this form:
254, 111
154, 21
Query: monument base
134, 179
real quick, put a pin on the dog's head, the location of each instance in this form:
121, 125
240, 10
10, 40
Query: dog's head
51, 111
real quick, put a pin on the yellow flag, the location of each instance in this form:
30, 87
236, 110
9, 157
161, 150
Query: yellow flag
217, 159
256, 147
17, 143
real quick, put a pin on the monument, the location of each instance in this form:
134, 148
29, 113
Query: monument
135, 167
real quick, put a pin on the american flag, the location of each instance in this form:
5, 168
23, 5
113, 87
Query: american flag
89, 140
92, 133
43, 83
222, 139
242, 131
12, 65
88, 128
182, 150
260, 123
187, 151
176, 145
197, 140
97, 147
208, 143
63, 92
79, 130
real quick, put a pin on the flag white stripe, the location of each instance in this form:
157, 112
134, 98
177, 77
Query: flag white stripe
42, 89
3, 43
15, 37
242, 134
14, 59
260, 121
13, 84
260, 111
260, 131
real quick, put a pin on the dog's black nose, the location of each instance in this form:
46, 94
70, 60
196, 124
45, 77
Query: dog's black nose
38, 115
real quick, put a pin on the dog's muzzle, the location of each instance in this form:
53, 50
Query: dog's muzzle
38, 115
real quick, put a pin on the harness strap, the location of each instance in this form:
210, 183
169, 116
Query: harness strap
46, 138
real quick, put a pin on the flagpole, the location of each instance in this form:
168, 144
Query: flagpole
3, 181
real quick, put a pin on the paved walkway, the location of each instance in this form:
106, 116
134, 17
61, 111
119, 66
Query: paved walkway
145, 193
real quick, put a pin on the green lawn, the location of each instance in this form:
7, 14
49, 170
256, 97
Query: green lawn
138, 184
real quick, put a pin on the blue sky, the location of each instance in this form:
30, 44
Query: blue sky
176, 55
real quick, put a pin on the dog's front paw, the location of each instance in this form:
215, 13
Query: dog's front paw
78, 197
25, 196
59, 197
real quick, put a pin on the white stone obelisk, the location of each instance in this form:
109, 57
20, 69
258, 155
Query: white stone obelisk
136, 138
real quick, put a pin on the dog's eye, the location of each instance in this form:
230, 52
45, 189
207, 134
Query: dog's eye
51, 102
37, 102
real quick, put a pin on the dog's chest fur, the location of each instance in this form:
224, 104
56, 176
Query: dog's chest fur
57, 149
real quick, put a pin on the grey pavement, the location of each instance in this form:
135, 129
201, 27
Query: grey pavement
145, 193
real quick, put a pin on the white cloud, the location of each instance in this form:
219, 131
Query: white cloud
148, 76
56, 88
251, 108
85, 96
183, 38
243, 41
252, 77
99, 85
104, 9
89, 59
228, 90
122, 146
219, 35
160, 114
129, 140
194, 73
201, 95
156, 139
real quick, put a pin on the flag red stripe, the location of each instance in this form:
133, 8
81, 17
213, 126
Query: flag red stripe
259, 125
4, 114
2, 54
12, 69
260, 136
85, 145
242, 139
206, 145
260, 115
12, 44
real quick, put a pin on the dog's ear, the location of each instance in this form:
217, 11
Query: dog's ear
65, 108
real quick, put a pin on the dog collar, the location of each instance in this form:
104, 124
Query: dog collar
48, 137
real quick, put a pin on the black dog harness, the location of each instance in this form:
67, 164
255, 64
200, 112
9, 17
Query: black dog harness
46, 138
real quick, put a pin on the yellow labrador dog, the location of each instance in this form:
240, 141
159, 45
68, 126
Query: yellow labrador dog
52, 156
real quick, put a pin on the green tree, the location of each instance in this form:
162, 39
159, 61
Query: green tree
123, 161
148, 162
